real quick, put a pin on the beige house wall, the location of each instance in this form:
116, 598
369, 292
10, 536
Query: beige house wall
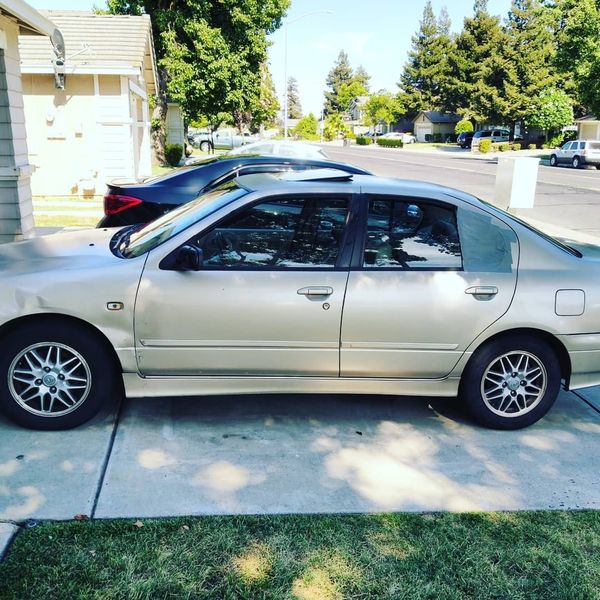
16, 210
589, 130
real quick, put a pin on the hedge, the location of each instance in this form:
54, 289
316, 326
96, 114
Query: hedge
173, 154
390, 142
361, 140
485, 146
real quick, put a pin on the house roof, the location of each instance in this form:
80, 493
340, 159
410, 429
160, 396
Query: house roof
588, 118
30, 20
119, 44
436, 116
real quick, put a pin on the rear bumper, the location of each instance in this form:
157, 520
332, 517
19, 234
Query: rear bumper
590, 160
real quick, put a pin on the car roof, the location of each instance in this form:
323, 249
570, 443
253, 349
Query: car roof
329, 180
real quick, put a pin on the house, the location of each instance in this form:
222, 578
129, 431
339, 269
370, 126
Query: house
16, 210
98, 127
588, 128
434, 123
356, 110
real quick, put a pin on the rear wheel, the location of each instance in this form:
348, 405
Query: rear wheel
511, 383
553, 161
205, 146
576, 162
54, 376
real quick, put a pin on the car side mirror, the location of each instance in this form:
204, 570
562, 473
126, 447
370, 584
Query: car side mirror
189, 258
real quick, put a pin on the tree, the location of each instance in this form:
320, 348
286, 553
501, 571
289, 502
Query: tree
340, 73
426, 74
551, 110
265, 107
463, 126
294, 109
348, 92
382, 107
362, 77
335, 127
212, 51
306, 128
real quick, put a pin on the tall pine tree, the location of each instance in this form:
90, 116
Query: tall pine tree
293, 97
340, 73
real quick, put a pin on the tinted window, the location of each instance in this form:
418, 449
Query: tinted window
582, 145
567, 146
485, 134
280, 233
411, 234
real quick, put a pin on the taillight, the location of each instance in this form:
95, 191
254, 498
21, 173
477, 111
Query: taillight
116, 203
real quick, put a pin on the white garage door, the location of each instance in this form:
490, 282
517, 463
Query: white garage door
423, 129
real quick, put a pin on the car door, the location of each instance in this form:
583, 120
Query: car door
266, 302
566, 154
428, 278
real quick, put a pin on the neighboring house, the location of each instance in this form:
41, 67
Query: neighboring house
98, 128
16, 210
588, 128
432, 122
356, 110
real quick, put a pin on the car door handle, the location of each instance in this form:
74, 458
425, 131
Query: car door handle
485, 290
316, 291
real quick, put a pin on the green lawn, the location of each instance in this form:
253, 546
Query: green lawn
529, 555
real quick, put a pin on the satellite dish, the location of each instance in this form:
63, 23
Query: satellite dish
59, 43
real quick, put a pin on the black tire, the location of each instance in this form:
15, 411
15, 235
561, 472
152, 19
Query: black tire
205, 146
576, 162
97, 367
553, 161
474, 381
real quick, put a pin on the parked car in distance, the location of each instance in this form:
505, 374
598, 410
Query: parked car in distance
494, 135
309, 282
577, 153
127, 203
406, 138
222, 139
290, 148
464, 139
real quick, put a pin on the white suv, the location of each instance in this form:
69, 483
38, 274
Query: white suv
494, 135
577, 153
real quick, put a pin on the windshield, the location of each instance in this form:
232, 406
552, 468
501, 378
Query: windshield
138, 241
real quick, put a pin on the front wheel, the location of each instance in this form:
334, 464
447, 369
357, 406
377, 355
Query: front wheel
54, 376
511, 383
553, 161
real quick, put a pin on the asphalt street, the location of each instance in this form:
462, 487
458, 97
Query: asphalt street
565, 197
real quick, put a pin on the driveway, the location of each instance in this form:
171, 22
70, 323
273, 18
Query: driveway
280, 454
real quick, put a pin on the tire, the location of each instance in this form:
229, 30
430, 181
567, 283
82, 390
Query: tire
54, 376
205, 146
553, 161
488, 381
576, 162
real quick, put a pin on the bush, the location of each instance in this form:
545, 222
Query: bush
361, 140
516, 147
390, 143
504, 147
485, 146
463, 126
437, 138
428, 137
532, 147
173, 153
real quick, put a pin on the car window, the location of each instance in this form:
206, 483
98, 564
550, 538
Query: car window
567, 146
279, 233
593, 145
487, 244
411, 234
582, 145
486, 134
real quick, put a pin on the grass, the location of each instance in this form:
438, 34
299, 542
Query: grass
529, 555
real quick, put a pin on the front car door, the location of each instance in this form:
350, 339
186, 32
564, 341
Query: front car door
266, 302
430, 276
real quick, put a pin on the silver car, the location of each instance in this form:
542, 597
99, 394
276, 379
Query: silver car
319, 282
577, 153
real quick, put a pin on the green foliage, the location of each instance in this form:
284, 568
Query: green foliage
382, 108
348, 92
485, 146
173, 154
389, 143
532, 147
340, 73
265, 106
362, 140
294, 108
463, 126
212, 51
306, 128
551, 110
504, 147
516, 147
437, 138
335, 127
425, 78
155, 123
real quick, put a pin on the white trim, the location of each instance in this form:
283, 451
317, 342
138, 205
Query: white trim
136, 89
80, 70
28, 16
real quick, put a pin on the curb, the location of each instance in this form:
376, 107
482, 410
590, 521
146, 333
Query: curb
7, 533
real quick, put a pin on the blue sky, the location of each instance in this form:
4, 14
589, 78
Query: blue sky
374, 33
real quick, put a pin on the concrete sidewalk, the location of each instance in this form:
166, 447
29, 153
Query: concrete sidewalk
306, 454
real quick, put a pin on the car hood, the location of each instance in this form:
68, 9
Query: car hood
64, 250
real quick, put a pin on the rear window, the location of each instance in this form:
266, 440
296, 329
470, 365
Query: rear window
593, 145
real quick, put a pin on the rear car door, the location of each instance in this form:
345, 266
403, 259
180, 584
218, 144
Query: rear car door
427, 279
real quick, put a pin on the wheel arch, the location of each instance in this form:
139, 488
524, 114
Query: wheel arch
553, 342
44, 318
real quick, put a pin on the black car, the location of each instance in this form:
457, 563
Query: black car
132, 203
464, 140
